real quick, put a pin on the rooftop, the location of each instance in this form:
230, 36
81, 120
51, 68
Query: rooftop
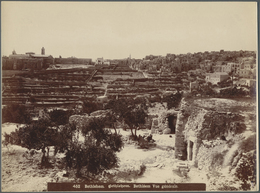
40, 56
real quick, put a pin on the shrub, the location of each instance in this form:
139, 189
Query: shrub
89, 106
173, 100
15, 113
94, 159
37, 135
246, 170
59, 117
232, 92
145, 142
142, 170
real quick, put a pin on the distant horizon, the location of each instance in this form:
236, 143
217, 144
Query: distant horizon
133, 57
116, 30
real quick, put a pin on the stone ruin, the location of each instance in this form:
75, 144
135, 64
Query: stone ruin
165, 123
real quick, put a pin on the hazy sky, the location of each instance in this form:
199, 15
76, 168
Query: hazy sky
118, 29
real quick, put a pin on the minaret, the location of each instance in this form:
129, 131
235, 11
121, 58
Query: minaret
43, 51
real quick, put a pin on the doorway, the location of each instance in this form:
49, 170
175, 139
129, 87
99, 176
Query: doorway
172, 123
190, 150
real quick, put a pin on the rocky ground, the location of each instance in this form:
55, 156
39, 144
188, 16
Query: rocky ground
22, 172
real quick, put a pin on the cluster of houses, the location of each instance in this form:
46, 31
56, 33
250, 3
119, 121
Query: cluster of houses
218, 66
244, 69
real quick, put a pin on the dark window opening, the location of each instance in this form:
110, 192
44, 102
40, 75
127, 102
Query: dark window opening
190, 150
172, 123
184, 152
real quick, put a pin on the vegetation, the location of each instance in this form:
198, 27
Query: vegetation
37, 135
225, 83
173, 100
131, 112
218, 125
89, 107
96, 153
59, 117
15, 113
246, 170
134, 119
233, 92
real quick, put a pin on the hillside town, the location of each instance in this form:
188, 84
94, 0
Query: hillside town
190, 118
43, 76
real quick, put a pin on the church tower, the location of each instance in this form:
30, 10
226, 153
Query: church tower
43, 51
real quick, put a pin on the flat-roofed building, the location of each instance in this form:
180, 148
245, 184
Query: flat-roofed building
100, 61
216, 77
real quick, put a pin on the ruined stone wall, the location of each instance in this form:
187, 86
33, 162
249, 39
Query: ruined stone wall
180, 144
160, 123
191, 133
195, 125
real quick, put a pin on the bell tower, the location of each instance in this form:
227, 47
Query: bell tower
43, 51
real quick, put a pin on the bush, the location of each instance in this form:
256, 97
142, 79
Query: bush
173, 100
90, 106
246, 170
142, 170
15, 113
59, 117
232, 92
37, 135
94, 159
145, 142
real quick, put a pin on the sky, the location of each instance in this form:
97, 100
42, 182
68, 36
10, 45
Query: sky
116, 30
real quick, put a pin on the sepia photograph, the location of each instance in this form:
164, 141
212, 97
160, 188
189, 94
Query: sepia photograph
129, 96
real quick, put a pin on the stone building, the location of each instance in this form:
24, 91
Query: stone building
100, 61
29, 60
194, 85
216, 77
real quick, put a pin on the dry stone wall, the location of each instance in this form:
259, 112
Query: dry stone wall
180, 144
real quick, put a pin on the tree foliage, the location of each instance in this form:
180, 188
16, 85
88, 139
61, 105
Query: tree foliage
173, 100
132, 112
15, 113
89, 106
59, 117
37, 135
96, 152
233, 92
246, 170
